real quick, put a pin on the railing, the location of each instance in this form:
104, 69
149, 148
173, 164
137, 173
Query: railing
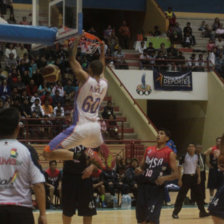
161, 64
42, 130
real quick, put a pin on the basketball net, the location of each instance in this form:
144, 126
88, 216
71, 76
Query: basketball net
88, 43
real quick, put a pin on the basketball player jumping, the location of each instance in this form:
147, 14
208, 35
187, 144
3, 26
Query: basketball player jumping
85, 129
216, 206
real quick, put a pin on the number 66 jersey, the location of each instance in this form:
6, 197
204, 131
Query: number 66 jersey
88, 100
86, 129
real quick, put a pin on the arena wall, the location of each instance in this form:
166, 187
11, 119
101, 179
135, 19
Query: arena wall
144, 129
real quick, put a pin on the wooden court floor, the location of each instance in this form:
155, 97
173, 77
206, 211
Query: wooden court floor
187, 216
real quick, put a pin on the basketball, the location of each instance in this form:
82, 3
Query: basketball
51, 73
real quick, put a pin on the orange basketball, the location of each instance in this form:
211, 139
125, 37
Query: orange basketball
51, 73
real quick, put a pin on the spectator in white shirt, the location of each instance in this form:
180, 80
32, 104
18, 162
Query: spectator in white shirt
59, 111
10, 50
58, 87
36, 107
141, 47
219, 43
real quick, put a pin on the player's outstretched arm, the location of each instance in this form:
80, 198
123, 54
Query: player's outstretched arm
102, 54
80, 74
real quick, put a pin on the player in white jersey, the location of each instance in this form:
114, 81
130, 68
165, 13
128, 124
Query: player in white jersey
85, 129
19, 170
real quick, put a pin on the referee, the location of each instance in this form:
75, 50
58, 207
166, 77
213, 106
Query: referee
190, 180
18, 171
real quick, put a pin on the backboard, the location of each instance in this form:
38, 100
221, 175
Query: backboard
66, 15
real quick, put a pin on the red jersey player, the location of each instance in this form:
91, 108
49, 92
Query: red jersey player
157, 167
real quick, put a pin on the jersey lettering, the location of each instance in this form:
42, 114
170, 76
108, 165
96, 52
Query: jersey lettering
153, 162
149, 173
90, 105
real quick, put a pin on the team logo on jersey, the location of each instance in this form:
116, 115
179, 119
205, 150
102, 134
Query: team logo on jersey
13, 153
8, 183
153, 162
143, 88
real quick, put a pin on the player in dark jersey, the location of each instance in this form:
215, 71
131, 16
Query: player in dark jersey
216, 207
157, 167
212, 155
77, 188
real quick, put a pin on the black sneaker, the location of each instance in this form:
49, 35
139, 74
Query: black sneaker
204, 214
175, 216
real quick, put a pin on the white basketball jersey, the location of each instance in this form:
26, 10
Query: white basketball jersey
89, 99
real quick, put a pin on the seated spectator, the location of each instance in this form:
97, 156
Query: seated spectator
38, 78
57, 99
170, 15
107, 32
53, 181
36, 107
108, 110
202, 26
112, 127
180, 62
20, 84
5, 90
129, 177
46, 96
150, 48
69, 89
25, 109
141, 47
92, 30
110, 180
212, 57
10, 50
219, 31
188, 33
11, 19
58, 87
156, 32
124, 35
113, 43
44, 88
15, 95
119, 60
171, 62
59, 110
175, 33
219, 64
192, 63
200, 63
207, 32
216, 24
172, 50
219, 43
188, 40
161, 61
24, 21
47, 108
144, 60
31, 88
163, 49
10, 62
20, 51
152, 60
34, 97
210, 45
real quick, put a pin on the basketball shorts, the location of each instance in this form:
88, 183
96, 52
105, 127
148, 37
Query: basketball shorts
87, 134
10, 214
216, 207
149, 202
213, 178
77, 194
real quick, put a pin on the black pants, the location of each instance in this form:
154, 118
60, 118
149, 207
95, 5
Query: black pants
16, 215
202, 187
189, 182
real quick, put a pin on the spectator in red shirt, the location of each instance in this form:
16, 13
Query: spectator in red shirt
31, 88
125, 34
53, 181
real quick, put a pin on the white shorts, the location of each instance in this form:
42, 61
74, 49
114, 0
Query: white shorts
87, 134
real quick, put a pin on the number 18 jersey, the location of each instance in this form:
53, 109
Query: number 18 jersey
89, 99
